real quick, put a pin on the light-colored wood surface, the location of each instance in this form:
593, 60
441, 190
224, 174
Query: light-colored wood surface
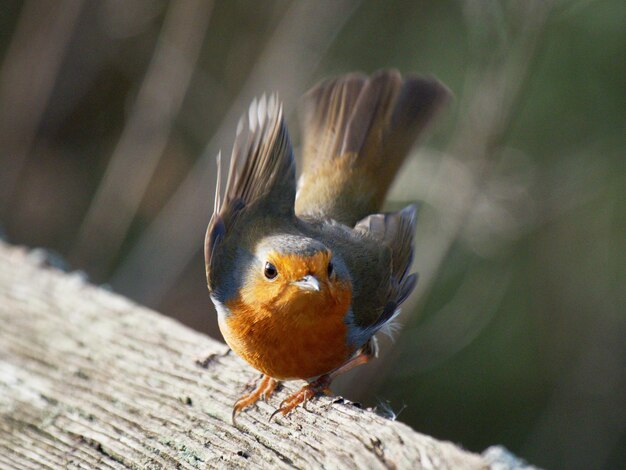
89, 379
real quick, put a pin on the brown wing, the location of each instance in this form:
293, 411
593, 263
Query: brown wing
395, 230
261, 172
356, 134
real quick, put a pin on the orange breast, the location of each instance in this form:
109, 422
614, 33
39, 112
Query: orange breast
281, 346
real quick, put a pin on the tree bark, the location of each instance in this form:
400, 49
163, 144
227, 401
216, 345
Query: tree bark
89, 379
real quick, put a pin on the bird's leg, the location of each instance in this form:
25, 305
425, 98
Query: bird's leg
321, 385
262, 391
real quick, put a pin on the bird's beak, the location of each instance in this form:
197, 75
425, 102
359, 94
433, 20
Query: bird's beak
308, 282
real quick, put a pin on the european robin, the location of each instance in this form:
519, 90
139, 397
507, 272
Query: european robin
303, 276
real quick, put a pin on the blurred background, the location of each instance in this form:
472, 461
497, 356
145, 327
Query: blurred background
112, 113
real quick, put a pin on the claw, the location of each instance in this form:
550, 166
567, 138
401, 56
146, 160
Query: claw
263, 391
276, 411
303, 395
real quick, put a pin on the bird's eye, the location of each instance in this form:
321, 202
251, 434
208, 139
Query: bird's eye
331, 268
270, 271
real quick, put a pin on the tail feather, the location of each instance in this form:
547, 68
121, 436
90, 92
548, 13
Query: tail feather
356, 134
326, 113
371, 111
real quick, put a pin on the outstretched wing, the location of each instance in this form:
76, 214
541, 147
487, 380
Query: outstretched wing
261, 173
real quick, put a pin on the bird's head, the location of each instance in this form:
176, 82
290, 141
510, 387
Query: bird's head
298, 277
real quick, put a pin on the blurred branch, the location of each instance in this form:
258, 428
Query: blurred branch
27, 78
144, 137
286, 65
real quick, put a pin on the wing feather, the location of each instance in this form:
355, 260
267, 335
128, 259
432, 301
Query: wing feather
395, 230
261, 171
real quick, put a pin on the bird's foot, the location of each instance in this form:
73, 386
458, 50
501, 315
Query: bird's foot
303, 395
263, 390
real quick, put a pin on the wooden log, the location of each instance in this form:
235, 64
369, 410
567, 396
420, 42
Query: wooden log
88, 379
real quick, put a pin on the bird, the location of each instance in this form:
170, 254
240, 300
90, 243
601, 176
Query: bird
304, 272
